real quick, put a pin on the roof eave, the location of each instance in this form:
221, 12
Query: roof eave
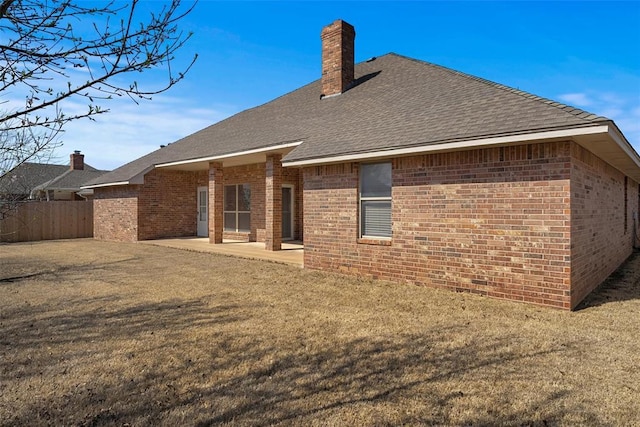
106, 184
235, 157
136, 179
600, 128
596, 137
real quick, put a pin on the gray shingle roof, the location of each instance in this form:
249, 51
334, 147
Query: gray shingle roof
71, 179
29, 176
396, 102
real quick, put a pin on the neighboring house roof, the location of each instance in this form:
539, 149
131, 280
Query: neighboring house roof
41, 176
395, 103
27, 176
71, 179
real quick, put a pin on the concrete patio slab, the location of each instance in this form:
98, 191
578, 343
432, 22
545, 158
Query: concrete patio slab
292, 253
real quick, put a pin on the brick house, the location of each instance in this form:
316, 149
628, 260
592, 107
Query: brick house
399, 169
45, 181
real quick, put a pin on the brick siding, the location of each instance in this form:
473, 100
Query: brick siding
539, 223
491, 221
166, 205
115, 213
273, 202
338, 44
255, 176
215, 203
599, 239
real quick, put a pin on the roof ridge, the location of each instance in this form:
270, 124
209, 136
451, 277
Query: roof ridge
578, 112
53, 180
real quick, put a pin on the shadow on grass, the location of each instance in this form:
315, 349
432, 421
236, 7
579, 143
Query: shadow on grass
403, 373
108, 360
46, 271
225, 377
21, 277
622, 285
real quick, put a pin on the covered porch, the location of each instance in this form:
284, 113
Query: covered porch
291, 253
246, 197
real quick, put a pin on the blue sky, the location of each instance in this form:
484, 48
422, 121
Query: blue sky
586, 54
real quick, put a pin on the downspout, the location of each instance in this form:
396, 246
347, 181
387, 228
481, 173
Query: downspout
636, 236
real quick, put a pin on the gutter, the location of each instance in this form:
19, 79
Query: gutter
465, 144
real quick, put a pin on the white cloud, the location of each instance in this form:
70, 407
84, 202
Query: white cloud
622, 108
576, 99
130, 131
612, 112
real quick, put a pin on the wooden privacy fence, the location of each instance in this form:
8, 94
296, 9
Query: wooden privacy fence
33, 221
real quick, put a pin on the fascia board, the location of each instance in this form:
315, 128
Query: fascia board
457, 145
229, 155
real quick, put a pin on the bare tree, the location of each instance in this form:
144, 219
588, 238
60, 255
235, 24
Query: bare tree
17, 147
57, 50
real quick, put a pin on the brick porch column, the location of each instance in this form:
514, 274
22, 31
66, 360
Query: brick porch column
273, 203
216, 200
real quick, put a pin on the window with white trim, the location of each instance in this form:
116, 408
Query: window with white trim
237, 207
375, 200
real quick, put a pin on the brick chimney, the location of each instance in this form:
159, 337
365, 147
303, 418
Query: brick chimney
77, 161
338, 41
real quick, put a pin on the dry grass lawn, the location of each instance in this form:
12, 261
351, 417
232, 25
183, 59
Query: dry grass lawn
95, 333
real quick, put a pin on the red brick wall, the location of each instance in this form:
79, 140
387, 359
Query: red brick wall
600, 239
255, 175
273, 202
215, 204
490, 221
115, 213
167, 203
338, 47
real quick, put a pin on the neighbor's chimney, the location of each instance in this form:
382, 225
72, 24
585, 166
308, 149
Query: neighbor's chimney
337, 57
77, 161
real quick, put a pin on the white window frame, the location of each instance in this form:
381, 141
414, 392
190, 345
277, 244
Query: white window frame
236, 211
373, 199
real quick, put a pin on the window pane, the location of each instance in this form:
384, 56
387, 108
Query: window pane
203, 204
229, 197
286, 225
286, 199
244, 197
375, 180
376, 218
244, 222
230, 221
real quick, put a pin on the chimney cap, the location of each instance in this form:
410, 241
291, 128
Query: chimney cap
76, 151
337, 25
